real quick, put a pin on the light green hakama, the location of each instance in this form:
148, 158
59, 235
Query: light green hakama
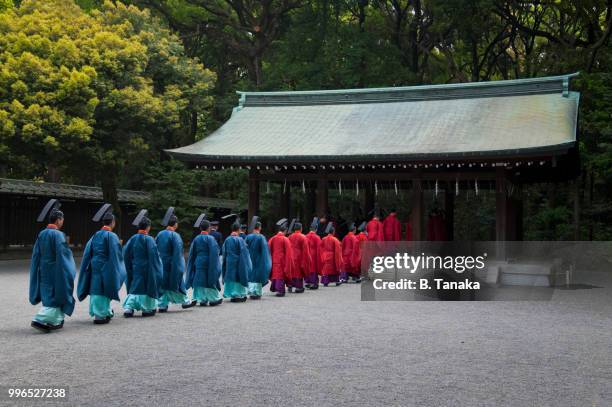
233, 289
99, 306
49, 315
139, 302
255, 289
173, 297
203, 294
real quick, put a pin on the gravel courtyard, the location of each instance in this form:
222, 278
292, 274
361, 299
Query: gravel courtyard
320, 348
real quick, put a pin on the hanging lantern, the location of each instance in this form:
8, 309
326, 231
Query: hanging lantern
476, 187
340, 187
285, 186
356, 188
457, 187
436, 188
396, 190
303, 187
376, 187
268, 187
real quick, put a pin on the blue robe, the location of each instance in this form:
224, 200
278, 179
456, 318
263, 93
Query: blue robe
170, 246
260, 258
102, 269
52, 272
203, 266
237, 265
218, 237
143, 266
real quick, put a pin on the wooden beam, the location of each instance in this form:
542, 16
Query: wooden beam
350, 178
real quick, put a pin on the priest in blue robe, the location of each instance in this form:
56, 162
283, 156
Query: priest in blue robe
204, 267
214, 232
52, 272
260, 258
170, 246
144, 270
236, 266
102, 270
243, 231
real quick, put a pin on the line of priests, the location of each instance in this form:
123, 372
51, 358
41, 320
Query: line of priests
156, 275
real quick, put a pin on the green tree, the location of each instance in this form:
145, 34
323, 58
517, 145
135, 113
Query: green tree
94, 95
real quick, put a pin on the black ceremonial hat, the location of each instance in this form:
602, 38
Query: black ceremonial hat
199, 221
329, 228
254, 221
141, 215
362, 227
236, 222
169, 214
315, 223
282, 222
292, 224
52, 206
106, 209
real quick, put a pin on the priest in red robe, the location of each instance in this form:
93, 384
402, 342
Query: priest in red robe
375, 229
331, 257
392, 228
301, 258
314, 245
282, 259
436, 226
361, 237
350, 255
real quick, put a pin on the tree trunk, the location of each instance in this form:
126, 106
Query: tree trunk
194, 127
414, 38
53, 173
255, 70
111, 195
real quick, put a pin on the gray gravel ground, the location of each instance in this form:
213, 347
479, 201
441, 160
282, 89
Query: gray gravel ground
320, 348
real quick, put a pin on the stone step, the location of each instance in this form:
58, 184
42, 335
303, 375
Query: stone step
526, 274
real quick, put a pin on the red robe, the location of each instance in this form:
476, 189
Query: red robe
350, 244
282, 257
392, 229
375, 230
314, 245
361, 237
301, 255
331, 256
436, 228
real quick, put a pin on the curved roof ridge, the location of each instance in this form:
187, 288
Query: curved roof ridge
540, 85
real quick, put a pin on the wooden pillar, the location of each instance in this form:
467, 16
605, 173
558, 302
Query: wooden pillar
576, 209
514, 217
416, 214
253, 207
449, 208
322, 195
501, 213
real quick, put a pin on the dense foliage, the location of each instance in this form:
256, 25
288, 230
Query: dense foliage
119, 83
90, 97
